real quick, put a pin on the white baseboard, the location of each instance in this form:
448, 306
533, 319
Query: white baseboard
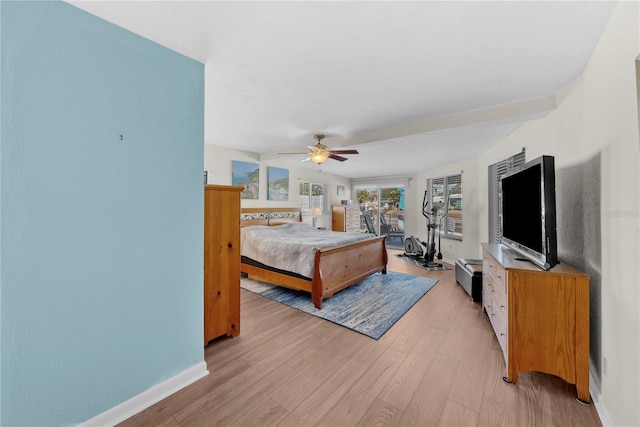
138, 403
596, 399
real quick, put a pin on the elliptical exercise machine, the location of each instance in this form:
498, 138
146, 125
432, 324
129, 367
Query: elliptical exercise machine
426, 251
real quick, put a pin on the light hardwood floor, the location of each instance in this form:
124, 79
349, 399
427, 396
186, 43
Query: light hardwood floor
439, 365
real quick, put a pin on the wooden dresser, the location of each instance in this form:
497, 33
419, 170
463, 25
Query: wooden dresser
345, 218
541, 318
221, 261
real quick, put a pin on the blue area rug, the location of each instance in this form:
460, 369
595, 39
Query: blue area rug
370, 307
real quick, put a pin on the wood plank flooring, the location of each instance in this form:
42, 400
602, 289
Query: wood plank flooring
439, 365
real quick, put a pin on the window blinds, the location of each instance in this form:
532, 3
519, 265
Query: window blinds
496, 172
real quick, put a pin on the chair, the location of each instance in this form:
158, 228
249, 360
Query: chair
368, 222
392, 232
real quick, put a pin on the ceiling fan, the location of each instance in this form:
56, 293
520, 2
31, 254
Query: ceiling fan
319, 153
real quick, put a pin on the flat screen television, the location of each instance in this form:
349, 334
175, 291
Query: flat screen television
529, 211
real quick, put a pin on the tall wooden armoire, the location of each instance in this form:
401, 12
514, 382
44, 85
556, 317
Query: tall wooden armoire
221, 261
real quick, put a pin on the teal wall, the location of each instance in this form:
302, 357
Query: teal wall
101, 236
1, 217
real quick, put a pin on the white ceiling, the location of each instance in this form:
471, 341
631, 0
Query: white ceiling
411, 85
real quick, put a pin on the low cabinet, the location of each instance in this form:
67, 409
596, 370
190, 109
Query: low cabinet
540, 318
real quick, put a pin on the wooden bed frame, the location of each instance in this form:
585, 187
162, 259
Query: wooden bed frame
335, 268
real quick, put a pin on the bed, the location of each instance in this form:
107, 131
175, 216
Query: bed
332, 269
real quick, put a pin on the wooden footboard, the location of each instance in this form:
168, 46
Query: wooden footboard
342, 266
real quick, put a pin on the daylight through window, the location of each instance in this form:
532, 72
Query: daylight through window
448, 191
312, 195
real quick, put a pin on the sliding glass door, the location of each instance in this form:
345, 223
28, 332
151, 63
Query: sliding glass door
382, 212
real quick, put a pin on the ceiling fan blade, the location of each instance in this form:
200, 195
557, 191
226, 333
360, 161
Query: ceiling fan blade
338, 158
345, 151
293, 153
305, 160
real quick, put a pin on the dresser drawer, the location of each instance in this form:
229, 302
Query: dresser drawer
497, 294
494, 267
499, 322
487, 301
345, 218
494, 287
499, 279
487, 264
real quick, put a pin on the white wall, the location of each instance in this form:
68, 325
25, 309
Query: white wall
593, 135
217, 161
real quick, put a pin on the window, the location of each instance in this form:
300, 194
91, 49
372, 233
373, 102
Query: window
496, 172
385, 209
381, 204
313, 195
447, 190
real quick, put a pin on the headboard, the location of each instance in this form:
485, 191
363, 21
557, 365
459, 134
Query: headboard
269, 216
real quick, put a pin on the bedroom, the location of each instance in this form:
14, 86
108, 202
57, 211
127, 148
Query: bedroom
50, 214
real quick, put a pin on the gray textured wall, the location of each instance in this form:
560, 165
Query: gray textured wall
579, 214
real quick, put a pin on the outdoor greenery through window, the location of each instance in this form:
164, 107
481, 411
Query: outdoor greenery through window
312, 196
382, 211
448, 191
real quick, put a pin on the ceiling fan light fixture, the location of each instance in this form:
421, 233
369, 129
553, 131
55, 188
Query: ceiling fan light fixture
318, 157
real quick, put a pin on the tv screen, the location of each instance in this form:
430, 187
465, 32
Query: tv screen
529, 211
521, 207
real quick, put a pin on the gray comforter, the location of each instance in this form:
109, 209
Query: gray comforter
291, 247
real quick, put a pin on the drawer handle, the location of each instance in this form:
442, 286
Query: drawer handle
501, 335
499, 277
502, 306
